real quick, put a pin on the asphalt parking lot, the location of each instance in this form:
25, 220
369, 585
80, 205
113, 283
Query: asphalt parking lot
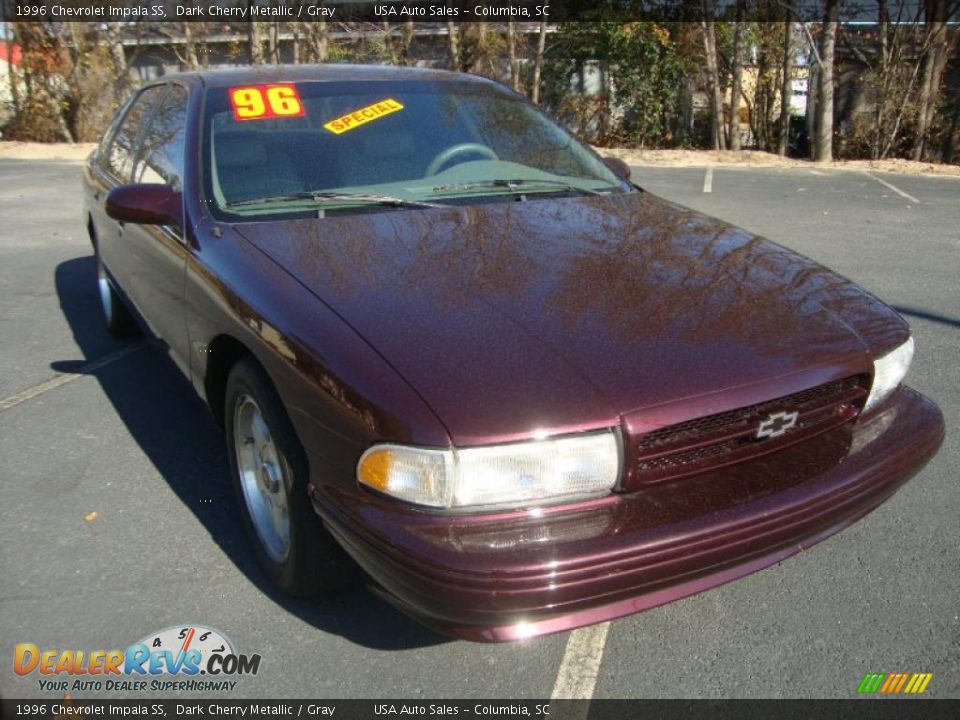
118, 520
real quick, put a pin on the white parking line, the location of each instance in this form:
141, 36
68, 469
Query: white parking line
897, 190
64, 378
578, 671
708, 181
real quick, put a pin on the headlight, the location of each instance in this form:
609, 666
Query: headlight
495, 475
888, 373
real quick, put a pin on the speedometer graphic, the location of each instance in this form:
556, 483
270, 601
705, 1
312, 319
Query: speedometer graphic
182, 646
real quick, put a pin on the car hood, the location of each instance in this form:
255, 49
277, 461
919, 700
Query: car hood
570, 313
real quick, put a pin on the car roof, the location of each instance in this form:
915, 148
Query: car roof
263, 74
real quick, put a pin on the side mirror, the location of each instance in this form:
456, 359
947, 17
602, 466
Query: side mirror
619, 167
152, 204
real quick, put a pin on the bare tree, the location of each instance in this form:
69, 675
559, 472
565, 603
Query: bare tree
453, 44
736, 82
935, 61
318, 40
786, 87
190, 47
388, 43
398, 47
273, 42
254, 43
823, 142
477, 49
69, 73
187, 57
512, 62
538, 62
121, 68
707, 26
407, 40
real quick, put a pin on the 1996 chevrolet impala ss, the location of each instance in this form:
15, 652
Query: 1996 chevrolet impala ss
521, 393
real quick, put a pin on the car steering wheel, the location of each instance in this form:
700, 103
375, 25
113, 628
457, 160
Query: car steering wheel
445, 156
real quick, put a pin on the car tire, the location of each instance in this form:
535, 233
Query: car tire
117, 317
269, 473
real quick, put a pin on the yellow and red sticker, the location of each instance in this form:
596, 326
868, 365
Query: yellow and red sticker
362, 116
266, 102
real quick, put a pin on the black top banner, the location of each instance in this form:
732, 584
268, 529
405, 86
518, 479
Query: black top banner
427, 10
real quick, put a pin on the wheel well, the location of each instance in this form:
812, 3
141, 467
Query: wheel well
222, 353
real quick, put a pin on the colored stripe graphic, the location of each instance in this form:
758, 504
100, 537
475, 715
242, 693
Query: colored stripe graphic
894, 683
871, 682
918, 683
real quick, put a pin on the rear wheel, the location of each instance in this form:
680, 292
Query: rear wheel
118, 319
269, 475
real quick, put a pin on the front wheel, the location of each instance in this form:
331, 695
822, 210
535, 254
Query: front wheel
269, 474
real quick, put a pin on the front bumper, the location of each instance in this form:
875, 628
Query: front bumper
517, 574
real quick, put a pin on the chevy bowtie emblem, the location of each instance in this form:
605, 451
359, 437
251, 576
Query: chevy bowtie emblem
777, 424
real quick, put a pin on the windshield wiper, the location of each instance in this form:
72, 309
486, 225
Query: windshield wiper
322, 197
517, 184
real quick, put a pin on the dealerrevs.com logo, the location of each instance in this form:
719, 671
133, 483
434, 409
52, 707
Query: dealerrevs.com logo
179, 658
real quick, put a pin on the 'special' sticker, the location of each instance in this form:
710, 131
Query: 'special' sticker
362, 116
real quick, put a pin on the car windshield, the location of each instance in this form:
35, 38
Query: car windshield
352, 146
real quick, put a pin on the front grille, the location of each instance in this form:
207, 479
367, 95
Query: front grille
714, 441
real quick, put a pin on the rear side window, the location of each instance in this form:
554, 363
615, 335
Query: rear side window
161, 153
121, 152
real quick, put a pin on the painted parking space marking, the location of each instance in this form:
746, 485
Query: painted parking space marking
64, 378
708, 181
897, 190
577, 676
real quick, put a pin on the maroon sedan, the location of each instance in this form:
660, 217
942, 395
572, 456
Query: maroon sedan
521, 393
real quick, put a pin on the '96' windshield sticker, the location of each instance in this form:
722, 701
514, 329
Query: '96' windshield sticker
265, 102
362, 116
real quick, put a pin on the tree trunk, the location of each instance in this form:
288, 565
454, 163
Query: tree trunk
121, 67
934, 63
273, 42
388, 43
786, 87
713, 74
823, 147
737, 80
453, 46
408, 30
190, 45
512, 56
254, 43
320, 41
474, 49
295, 50
538, 63
813, 85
